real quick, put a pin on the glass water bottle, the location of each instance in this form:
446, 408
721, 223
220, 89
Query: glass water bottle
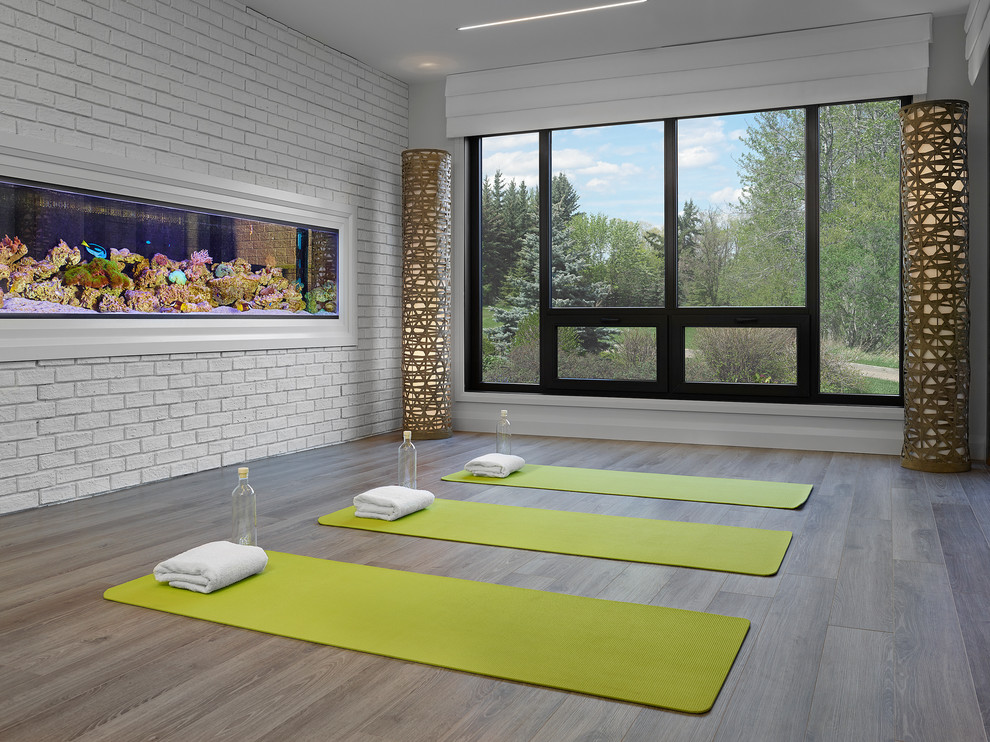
245, 513
503, 437
407, 461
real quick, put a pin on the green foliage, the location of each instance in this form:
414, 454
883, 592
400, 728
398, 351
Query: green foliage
518, 361
860, 222
508, 214
769, 267
632, 356
706, 251
98, 273
745, 355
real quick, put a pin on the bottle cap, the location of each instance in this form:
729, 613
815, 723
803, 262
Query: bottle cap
504, 413
242, 471
406, 435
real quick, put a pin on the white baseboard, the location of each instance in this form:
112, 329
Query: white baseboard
850, 429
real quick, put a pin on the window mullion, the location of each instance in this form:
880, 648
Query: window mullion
548, 345
669, 250
812, 231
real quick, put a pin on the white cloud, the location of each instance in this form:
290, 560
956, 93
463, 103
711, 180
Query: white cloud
624, 169
698, 132
602, 185
728, 195
696, 156
520, 166
571, 160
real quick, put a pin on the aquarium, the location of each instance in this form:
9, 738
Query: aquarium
72, 252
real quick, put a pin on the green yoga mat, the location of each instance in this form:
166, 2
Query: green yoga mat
751, 551
625, 651
648, 484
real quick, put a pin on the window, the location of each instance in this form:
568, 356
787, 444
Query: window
743, 256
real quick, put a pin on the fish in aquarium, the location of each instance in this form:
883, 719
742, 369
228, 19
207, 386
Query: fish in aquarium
97, 251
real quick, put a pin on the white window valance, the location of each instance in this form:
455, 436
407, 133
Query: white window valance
977, 36
838, 63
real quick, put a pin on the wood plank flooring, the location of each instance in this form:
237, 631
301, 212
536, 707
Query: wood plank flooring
876, 628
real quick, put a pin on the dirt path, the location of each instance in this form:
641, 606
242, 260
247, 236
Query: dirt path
877, 372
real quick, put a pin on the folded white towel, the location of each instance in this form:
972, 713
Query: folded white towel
211, 566
391, 502
495, 465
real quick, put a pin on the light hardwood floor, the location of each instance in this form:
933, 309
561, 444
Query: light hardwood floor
877, 626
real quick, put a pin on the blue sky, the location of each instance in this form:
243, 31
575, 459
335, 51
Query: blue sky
618, 170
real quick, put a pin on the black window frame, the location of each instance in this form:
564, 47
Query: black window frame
669, 319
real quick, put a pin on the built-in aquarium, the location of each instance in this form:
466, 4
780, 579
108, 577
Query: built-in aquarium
72, 252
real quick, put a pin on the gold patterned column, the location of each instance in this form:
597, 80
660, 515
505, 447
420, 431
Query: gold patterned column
426, 304
935, 277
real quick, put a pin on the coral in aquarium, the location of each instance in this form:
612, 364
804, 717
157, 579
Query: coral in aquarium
174, 293
115, 280
135, 261
98, 273
11, 250
20, 280
151, 278
322, 298
200, 257
51, 290
269, 298
142, 301
89, 298
224, 270
43, 269
62, 255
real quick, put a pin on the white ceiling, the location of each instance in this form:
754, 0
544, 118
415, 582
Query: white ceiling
418, 41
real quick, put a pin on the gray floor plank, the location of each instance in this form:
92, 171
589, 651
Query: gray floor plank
854, 698
821, 537
935, 697
965, 547
863, 593
915, 536
772, 701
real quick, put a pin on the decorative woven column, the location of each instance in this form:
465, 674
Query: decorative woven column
935, 278
426, 305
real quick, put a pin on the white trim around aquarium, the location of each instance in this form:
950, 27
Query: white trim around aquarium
86, 336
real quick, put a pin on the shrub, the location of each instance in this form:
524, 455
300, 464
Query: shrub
745, 355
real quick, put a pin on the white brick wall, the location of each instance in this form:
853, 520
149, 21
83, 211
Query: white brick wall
210, 87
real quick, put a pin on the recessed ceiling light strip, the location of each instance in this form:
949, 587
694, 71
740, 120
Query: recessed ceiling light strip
550, 15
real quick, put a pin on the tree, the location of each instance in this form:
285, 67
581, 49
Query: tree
688, 237
769, 267
860, 240
621, 257
707, 261
572, 283
508, 214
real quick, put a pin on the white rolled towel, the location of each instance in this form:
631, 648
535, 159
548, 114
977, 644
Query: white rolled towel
211, 566
498, 465
391, 502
